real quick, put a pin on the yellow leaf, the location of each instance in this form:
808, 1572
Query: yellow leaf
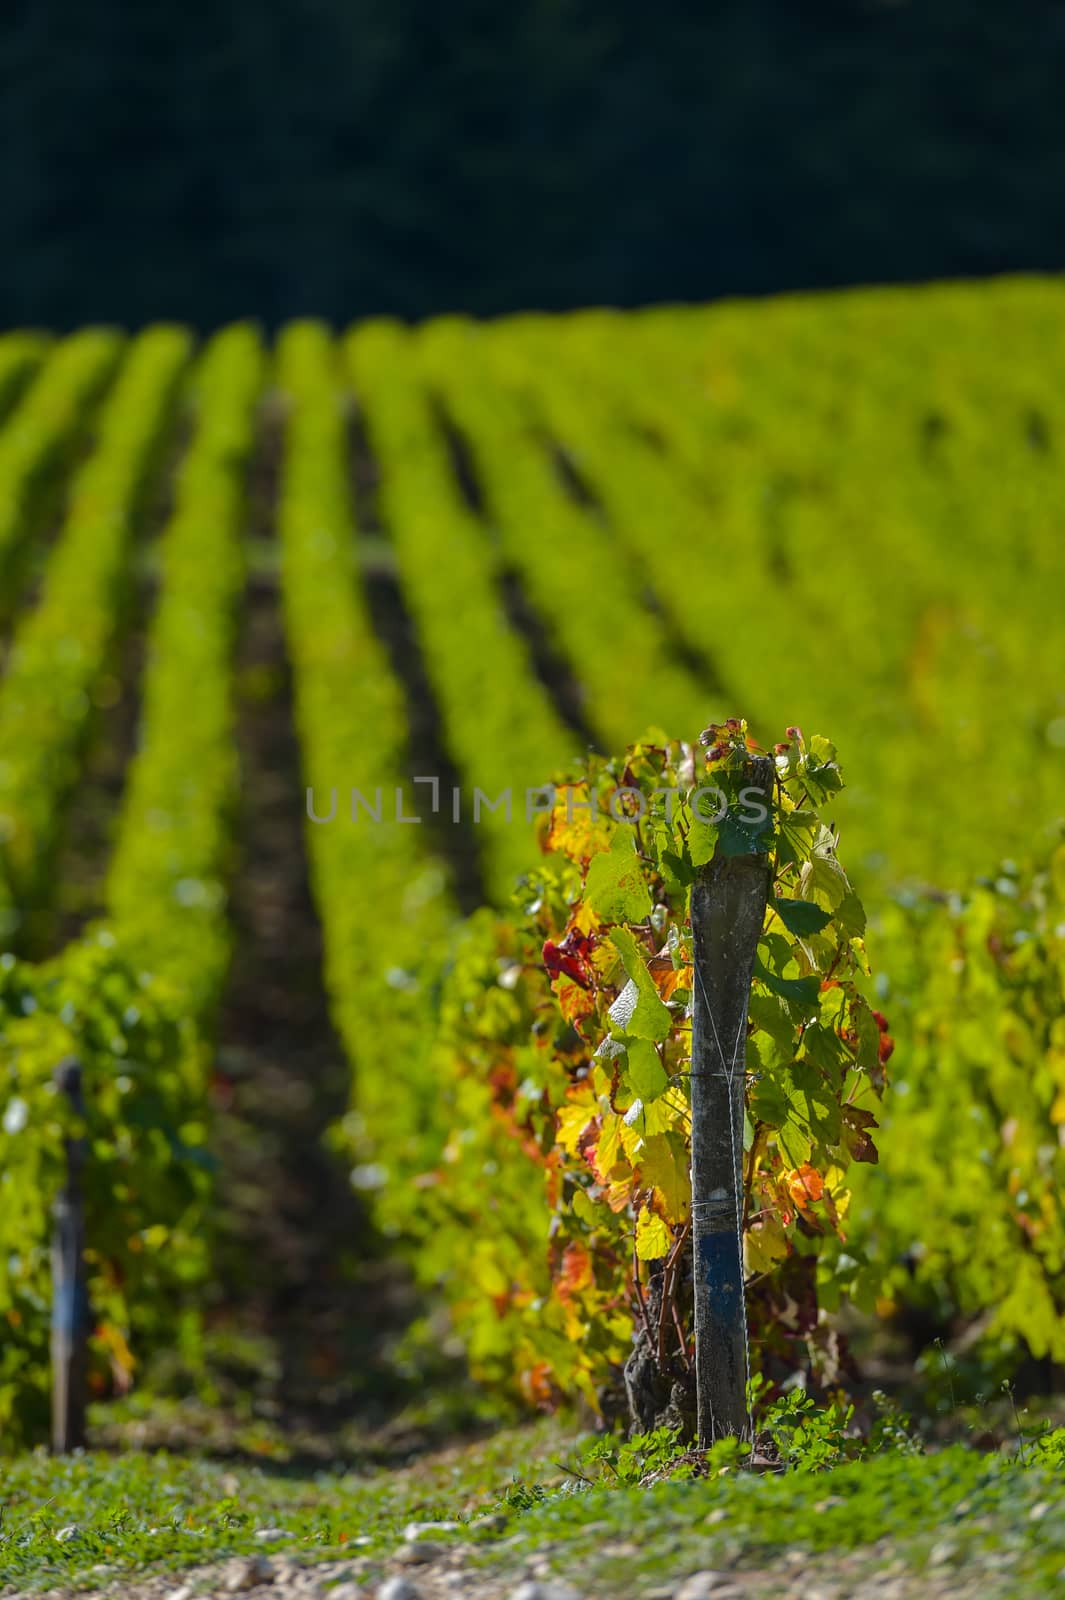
575, 829
609, 1146
664, 1168
571, 1120
653, 1238
631, 1136
764, 1245
836, 1187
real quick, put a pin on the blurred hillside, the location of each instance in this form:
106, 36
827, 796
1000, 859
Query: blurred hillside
350, 157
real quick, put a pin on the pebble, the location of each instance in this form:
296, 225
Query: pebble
418, 1553
64, 1535
271, 1533
184, 1593
398, 1589
248, 1574
347, 1591
704, 1585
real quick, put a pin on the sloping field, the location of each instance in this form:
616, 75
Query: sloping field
480, 548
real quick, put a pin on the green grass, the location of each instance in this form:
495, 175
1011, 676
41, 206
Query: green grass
992, 1516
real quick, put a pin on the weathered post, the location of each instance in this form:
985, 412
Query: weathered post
728, 901
70, 1299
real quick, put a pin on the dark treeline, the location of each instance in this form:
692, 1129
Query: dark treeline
208, 159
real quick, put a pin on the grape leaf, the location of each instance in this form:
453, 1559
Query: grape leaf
765, 1244
801, 917
813, 1100
664, 1168
679, 868
736, 836
823, 1046
638, 1010
795, 1142
615, 888
769, 1016
769, 1103
821, 774
646, 1075
856, 1124
653, 1238
571, 1119
795, 836
609, 1146
801, 991
702, 841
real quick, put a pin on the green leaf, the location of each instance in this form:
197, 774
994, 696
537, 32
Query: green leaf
795, 836
864, 1024
678, 867
735, 837
821, 774
824, 880
702, 841
638, 1009
770, 1017
794, 1141
801, 917
850, 915
814, 1101
646, 1075
769, 1103
802, 991
616, 890
823, 1047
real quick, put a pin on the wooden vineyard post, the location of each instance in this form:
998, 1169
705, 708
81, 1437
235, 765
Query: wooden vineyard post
70, 1299
728, 901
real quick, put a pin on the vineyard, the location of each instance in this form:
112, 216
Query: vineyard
474, 577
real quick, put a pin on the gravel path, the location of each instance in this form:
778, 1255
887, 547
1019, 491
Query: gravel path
423, 1570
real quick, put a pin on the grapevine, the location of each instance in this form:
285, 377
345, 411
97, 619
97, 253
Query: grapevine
574, 1024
